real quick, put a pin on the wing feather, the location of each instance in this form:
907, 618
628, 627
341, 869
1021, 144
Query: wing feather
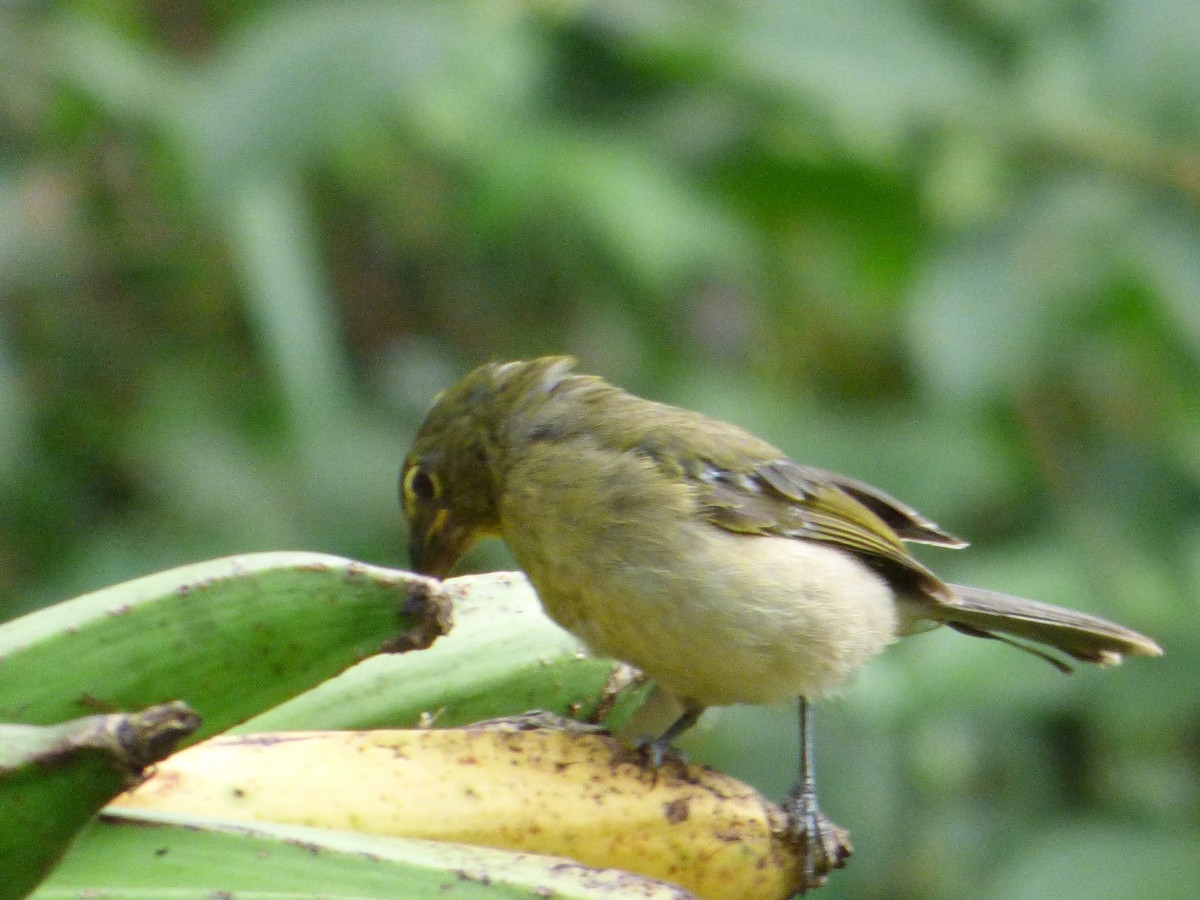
784, 499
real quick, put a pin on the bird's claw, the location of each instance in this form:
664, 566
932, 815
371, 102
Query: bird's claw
655, 752
824, 845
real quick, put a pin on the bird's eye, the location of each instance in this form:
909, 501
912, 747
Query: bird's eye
421, 485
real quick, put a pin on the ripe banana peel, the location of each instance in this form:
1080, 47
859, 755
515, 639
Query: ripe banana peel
584, 796
55, 778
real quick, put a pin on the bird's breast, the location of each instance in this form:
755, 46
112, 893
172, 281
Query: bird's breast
715, 617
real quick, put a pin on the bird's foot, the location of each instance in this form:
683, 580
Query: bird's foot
824, 845
655, 752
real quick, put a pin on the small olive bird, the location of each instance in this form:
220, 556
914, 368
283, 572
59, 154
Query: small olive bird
698, 553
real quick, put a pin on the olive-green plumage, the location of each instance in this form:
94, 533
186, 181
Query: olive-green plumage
597, 490
694, 550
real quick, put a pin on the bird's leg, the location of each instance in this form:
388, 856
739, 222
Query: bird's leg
657, 750
824, 846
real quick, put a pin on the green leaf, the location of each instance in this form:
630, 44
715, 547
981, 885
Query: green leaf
232, 637
502, 657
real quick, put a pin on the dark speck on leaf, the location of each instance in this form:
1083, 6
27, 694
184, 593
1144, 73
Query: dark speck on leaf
314, 849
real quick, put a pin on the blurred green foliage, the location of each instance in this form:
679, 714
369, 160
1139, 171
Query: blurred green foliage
952, 248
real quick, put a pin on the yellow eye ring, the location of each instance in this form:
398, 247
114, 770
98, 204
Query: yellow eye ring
420, 485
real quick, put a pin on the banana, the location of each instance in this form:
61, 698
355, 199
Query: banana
232, 636
55, 778
150, 856
580, 795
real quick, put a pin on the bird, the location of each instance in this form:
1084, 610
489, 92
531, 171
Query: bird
700, 554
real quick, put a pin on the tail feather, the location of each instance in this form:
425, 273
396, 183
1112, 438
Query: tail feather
1002, 617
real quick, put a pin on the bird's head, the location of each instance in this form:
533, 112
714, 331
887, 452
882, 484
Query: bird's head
452, 478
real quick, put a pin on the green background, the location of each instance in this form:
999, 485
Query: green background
951, 248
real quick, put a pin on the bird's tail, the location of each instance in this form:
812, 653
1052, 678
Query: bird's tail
1014, 620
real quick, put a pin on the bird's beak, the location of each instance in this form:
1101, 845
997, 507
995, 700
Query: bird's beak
436, 547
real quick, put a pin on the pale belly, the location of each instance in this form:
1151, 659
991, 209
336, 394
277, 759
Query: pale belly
715, 617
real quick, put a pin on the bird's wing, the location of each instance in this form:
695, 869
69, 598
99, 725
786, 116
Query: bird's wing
909, 524
784, 499
744, 485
